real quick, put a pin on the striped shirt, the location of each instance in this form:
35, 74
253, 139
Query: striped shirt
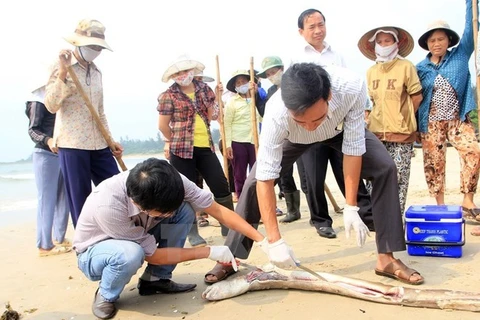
108, 213
345, 113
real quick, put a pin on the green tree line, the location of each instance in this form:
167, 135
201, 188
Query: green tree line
152, 145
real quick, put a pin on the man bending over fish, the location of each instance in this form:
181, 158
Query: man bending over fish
326, 105
146, 214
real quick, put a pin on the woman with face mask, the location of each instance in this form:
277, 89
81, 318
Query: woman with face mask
396, 93
185, 112
238, 127
83, 153
445, 110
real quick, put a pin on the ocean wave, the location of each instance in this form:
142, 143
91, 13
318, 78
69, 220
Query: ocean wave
18, 205
19, 176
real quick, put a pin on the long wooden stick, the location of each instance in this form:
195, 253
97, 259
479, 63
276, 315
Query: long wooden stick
220, 121
475, 35
95, 116
253, 108
332, 199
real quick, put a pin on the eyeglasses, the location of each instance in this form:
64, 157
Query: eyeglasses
156, 214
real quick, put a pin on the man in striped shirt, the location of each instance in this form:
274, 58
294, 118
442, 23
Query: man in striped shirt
315, 106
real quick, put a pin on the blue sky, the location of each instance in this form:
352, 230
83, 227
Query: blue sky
147, 35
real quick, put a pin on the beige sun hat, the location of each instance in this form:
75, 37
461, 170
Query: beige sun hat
204, 78
231, 82
88, 33
366, 44
181, 63
442, 25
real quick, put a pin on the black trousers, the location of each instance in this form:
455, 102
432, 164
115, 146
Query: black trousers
377, 165
208, 165
315, 161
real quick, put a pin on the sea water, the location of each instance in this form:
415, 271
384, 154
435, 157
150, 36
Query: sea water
18, 191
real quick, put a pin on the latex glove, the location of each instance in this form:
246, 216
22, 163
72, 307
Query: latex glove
281, 255
352, 220
222, 254
264, 245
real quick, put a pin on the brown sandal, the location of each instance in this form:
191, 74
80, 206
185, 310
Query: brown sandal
471, 214
403, 276
220, 271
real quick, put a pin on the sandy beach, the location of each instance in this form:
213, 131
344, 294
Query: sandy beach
53, 287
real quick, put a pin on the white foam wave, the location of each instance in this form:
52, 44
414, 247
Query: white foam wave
18, 205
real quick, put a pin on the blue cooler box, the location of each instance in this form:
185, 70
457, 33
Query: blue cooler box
435, 231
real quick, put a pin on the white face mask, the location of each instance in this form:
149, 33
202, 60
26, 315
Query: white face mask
88, 54
387, 53
243, 89
276, 79
184, 79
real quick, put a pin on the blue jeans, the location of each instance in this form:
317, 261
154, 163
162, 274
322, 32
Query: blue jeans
114, 262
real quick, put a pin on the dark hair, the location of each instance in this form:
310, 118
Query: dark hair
302, 85
305, 14
154, 184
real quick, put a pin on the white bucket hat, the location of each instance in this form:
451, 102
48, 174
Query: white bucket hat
88, 33
442, 25
204, 78
183, 62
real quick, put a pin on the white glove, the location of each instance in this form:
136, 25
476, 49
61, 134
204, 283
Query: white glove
222, 254
281, 255
352, 220
264, 245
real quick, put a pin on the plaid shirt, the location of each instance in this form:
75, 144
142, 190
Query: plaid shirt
182, 110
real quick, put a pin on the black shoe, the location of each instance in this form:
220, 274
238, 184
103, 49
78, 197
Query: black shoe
326, 232
370, 226
102, 308
146, 288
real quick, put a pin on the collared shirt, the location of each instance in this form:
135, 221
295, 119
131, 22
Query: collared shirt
74, 125
345, 112
238, 120
327, 56
182, 110
454, 68
108, 213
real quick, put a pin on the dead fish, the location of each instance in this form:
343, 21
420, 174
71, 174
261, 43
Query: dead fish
371, 291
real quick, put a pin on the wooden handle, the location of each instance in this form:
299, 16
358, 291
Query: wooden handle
253, 108
95, 116
222, 127
475, 35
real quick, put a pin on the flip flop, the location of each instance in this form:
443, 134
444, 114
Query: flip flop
65, 243
403, 276
220, 271
54, 251
472, 214
202, 222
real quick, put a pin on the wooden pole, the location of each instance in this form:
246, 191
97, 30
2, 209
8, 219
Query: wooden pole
253, 107
220, 121
475, 35
95, 116
332, 199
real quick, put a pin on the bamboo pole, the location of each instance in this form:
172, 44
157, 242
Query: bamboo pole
96, 118
332, 199
220, 121
475, 35
253, 107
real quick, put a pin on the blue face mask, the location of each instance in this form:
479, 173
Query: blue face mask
243, 89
